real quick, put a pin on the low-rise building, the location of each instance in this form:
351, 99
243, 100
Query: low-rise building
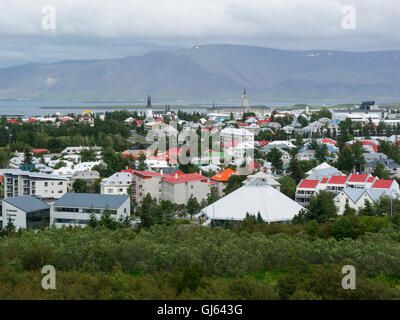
25, 212
118, 183
221, 179
256, 197
179, 188
75, 209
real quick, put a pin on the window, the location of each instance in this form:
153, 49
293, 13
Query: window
46, 184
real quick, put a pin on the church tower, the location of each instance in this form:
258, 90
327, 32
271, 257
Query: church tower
149, 108
245, 101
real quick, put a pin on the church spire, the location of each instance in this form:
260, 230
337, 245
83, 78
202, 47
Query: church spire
149, 101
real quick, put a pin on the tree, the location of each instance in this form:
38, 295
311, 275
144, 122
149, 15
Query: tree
88, 155
146, 210
213, 196
294, 168
275, 157
367, 210
27, 157
4, 158
321, 152
10, 227
380, 171
234, 182
320, 208
80, 186
348, 210
92, 220
288, 186
142, 162
192, 206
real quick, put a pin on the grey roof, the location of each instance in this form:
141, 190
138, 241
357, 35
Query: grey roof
33, 174
376, 194
27, 203
91, 200
353, 193
324, 173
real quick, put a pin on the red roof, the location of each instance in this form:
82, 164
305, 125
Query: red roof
65, 119
264, 121
184, 178
370, 143
40, 150
242, 124
309, 184
324, 180
338, 180
230, 144
330, 141
1, 179
32, 120
383, 184
11, 120
143, 173
263, 143
358, 177
138, 122
371, 179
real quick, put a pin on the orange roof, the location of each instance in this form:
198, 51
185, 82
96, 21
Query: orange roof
224, 175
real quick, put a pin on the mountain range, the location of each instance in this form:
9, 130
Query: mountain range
212, 72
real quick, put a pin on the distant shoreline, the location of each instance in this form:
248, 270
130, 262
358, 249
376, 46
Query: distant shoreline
122, 107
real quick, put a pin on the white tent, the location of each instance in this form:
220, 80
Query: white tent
253, 198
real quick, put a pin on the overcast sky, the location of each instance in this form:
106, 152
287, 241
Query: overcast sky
97, 29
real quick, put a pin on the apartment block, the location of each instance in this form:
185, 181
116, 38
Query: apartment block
41, 185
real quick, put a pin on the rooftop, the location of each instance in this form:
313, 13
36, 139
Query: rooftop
27, 203
91, 200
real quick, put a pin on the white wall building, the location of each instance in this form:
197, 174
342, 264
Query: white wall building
75, 208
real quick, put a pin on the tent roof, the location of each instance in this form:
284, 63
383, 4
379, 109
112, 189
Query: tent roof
256, 196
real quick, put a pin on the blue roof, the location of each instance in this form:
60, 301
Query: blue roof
91, 200
27, 203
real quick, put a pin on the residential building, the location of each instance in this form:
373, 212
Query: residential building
221, 179
118, 183
266, 177
233, 135
357, 198
390, 165
179, 188
89, 176
41, 185
75, 208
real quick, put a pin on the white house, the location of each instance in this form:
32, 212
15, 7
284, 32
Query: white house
118, 183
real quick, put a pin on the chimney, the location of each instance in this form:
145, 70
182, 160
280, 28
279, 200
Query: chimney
201, 173
176, 176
